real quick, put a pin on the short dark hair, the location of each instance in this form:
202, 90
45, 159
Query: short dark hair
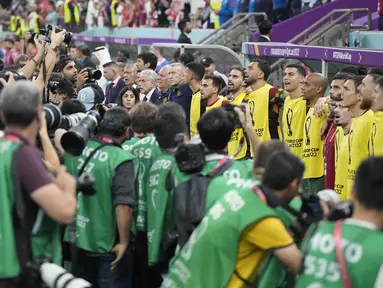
150, 58
171, 107
182, 25
302, 71
109, 64
265, 27
341, 76
264, 66
123, 91
215, 128
240, 69
197, 69
19, 103
282, 168
265, 150
217, 82
143, 116
369, 183
186, 58
357, 80
115, 122
167, 127
379, 82
84, 49
375, 73
71, 106
353, 70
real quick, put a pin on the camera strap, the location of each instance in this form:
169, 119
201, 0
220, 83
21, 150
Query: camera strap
339, 254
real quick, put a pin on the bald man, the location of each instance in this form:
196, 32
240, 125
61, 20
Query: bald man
313, 89
163, 83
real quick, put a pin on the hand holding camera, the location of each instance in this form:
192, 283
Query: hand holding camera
7, 79
244, 115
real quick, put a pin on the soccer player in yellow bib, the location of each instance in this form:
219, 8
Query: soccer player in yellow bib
210, 88
313, 89
376, 141
361, 127
236, 97
294, 109
265, 101
194, 73
343, 118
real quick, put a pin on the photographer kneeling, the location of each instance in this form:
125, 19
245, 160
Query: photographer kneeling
228, 247
25, 183
107, 210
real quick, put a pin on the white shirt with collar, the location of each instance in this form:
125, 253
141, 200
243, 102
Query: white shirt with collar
149, 95
267, 37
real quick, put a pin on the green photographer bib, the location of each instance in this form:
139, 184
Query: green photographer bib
209, 257
95, 220
146, 150
128, 144
9, 264
362, 252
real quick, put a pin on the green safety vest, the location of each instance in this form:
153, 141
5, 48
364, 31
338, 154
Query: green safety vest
240, 169
146, 150
158, 206
95, 219
209, 257
361, 251
9, 264
127, 145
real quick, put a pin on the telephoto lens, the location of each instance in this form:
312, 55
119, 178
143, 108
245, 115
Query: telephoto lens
94, 74
53, 116
75, 139
69, 121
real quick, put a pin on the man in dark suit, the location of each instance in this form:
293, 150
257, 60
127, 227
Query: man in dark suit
111, 73
185, 28
265, 30
147, 84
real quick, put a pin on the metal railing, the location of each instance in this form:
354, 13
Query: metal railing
245, 19
328, 23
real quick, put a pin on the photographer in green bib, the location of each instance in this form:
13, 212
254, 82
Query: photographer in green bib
347, 253
228, 247
167, 127
27, 188
104, 217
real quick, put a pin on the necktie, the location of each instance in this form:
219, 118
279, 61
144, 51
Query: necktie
145, 99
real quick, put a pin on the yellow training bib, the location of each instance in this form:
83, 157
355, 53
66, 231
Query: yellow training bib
312, 154
293, 119
358, 143
195, 113
238, 134
376, 139
258, 102
216, 104
341, 167
338, 141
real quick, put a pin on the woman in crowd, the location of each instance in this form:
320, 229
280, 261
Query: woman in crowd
128, 98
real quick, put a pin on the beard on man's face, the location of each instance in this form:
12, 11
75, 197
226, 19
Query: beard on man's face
366, 103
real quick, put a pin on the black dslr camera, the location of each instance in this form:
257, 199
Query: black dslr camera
229, 108
46, 34
93, 75
190, 157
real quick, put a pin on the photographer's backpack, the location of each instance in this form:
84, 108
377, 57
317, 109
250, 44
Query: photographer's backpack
190, 198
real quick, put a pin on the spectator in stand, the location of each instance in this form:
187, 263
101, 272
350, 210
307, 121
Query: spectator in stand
162, 6
83, 56
161, 62
130, 75
280, 10
114, 88
128, 14
146, 61
10, 51
380, 10
226, 11
185, 28
51, 17
265, 31
71, 14
207, 23
110, 13
265, 6
209, 65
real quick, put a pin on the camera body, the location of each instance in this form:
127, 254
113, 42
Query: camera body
190, 156
93, 75
46, 34
229, 108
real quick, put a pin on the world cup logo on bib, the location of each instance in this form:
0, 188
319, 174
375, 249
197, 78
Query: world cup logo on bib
307, 130
289, 120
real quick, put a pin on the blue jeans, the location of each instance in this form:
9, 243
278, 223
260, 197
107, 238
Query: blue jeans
96, 269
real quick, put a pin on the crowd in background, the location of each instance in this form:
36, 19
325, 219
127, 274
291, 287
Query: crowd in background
79, 15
